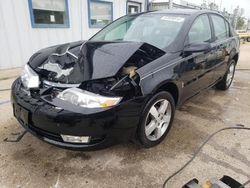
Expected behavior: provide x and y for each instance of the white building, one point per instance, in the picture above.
(29, 25)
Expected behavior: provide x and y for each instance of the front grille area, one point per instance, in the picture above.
(46, 134)
(57, 137)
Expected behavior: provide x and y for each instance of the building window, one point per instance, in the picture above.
(49, 13)
(100, 13)
(133, 7)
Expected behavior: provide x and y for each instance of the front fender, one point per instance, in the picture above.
(158, 73)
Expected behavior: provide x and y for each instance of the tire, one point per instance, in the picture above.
(248, 39)
(225, 83)
(159, 102)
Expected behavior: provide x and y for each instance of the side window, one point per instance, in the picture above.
(219, 27)
(200, 30)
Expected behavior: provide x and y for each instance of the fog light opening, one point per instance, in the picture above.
(75, 139)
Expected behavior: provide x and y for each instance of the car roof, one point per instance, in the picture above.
(183, 11)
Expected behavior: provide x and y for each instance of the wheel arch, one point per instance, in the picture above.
(236, 57)
(170, 87)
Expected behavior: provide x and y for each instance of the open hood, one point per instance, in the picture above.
(77, 62)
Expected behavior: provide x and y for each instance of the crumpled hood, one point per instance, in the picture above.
(82, 61)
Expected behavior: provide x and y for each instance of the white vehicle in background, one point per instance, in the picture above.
(244, 35)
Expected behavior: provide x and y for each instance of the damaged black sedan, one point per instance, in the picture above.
(125, 83)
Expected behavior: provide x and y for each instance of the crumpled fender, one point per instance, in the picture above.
(159, 71)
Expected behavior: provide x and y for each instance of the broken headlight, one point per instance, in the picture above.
(87, 99)
(29, 78)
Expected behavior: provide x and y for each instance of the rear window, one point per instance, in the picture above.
(219, 27)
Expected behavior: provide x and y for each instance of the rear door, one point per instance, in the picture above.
(221, 43)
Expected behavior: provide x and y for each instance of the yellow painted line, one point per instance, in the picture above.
(244, 42)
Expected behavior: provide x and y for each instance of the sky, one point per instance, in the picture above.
(228, 4)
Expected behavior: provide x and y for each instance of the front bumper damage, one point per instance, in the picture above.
(104, 68)
(48, 119)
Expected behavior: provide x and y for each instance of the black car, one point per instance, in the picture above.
(125, 83)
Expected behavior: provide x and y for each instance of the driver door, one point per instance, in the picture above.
(199, 64)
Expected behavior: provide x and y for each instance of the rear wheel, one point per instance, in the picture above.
(248, 39)
(156, 119)
(227, 80)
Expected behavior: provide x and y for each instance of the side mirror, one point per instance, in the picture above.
(199, 47)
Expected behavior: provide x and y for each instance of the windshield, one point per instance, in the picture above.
(156, 29)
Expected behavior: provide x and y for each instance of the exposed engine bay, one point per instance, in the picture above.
(105, 68)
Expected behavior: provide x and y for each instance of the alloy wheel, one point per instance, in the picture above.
(230, 74)
(158, 119)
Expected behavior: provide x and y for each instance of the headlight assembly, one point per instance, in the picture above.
(87, 99)
(29, 78)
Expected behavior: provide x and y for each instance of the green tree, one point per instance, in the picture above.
(213, 6)
(240, 23)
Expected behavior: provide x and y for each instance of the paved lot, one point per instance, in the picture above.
(33, 163)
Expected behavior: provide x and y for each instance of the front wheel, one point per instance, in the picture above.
(156, 119)
(227, 80)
